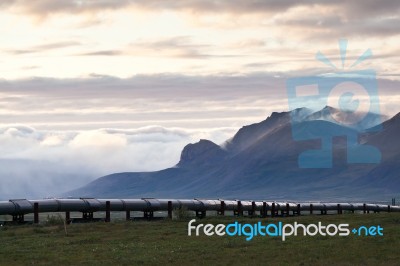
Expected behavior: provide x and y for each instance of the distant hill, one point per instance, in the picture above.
(261, 162)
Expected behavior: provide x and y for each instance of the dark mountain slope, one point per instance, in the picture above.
(261, 161)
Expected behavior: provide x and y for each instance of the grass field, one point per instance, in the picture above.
(166, 242)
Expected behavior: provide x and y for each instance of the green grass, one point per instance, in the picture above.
(166, 242)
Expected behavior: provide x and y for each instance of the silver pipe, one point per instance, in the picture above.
(23, 206)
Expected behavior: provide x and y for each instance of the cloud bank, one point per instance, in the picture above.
(36, 163)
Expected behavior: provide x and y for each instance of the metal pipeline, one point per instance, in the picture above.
(23, 206)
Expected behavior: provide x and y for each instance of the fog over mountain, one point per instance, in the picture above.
(261, 162)
(37, 163)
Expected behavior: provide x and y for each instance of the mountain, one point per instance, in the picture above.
(356, 120)
(204, 152)
(261, 162)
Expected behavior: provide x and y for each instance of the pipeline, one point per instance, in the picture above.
(19, 207)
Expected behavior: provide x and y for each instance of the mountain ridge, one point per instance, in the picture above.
(261, 160)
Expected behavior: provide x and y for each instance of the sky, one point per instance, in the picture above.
(89, 88)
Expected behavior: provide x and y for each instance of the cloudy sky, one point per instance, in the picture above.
(89, 88)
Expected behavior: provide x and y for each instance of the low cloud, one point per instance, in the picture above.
(37, 163)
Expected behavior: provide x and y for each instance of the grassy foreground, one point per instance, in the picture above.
(167, 242)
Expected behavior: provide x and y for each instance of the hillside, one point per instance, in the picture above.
(261, 161)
